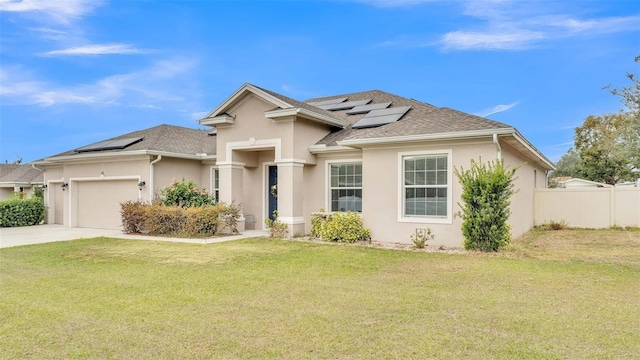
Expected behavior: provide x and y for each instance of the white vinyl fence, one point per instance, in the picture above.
(588, 207)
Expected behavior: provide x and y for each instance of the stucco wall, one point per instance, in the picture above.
(382, 191)
(528, 177)
(168, 169)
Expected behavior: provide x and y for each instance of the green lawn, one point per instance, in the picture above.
(567, 294)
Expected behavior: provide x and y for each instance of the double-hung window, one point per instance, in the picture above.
(426, 186)
(215, 180)
(345, 186)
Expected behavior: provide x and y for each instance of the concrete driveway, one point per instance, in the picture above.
(40, 234)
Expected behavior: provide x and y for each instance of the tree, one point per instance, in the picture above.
(609, 145)
(605, 155)
(568, 165)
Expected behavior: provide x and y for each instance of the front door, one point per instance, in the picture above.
(272, 191)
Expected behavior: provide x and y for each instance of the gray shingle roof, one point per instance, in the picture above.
(164, 138)
(422, 119)
(11, 173)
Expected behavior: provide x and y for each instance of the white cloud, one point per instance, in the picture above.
(511, 40)
(164, 82)
(508, 25)
(95, 49)
(59, 11)
(496, 109)
(513, 25)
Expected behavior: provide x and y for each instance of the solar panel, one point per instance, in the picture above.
(361, 109)
(328, 102)
(344, 105)
(109, 144)
(381, 117)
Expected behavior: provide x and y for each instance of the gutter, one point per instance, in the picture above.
(498, 147)
(151, 177)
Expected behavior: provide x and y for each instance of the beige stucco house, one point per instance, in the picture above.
(21, 179)
(388, 157)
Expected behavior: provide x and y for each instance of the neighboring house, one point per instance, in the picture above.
(19, 179)
(388, 157)
(578, 183)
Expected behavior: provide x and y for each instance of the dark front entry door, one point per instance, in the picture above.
(273, 183)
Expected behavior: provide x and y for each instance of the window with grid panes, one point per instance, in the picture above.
(425, 185)
(345, 186)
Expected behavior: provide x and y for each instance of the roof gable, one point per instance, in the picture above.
(284, 106)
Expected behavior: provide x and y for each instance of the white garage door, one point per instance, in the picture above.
(99, 202)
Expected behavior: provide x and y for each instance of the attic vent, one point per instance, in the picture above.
(381, 117)
(109, 145)
(344, 105)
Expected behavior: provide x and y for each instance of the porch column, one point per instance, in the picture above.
(291, 195)
(230, 183)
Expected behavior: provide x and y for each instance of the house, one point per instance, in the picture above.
(388, 157)
(19, 179)
(569, 182)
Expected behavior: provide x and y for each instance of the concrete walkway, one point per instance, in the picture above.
(40, 234)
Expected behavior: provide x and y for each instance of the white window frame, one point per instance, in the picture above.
(214, 189)
(328, 180)
(426, 219)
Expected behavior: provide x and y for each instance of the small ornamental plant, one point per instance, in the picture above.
(420, 238)
(277, 228)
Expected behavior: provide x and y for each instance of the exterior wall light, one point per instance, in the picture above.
(64, 186)
(141, 185)
(43, 187)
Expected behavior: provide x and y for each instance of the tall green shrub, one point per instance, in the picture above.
(186, 194)
(486, 193)
(21, 212)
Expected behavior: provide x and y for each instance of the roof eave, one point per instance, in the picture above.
(273, 114)
(85, 156)
(426, 137)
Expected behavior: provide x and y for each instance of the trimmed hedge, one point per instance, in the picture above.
(339, 227)
(159, 219)
(21, 212)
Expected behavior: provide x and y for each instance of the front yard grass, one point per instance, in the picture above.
(570, 294)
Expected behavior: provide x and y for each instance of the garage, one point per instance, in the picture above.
(98, 202)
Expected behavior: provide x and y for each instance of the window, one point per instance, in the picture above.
(426, 186)
(216, 184)
(345, 186)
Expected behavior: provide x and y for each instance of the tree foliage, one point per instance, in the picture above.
(186, 194)
(608, 146)
(486, 194)
(568, 165)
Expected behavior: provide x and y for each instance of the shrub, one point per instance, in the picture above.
(421, 237)
(339, 227)
(276, 227)
(486, 192)
(21, 212)
(160, 219)
(185, 194)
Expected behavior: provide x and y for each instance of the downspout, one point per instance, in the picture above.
(151, 177)
(498, 148)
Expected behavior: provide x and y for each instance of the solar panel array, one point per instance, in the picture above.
(328, 102)
(377, 114)
(381, 117)
(362, 109)
(109, 145)
(344, 105)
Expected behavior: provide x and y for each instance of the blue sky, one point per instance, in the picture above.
(79, 71)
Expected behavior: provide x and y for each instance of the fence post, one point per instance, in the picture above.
(612, 216)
